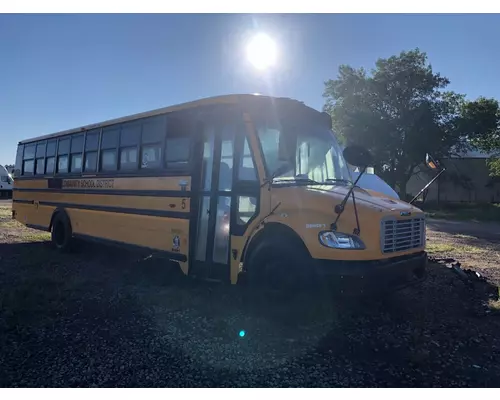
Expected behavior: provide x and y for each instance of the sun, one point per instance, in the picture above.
(262, 51)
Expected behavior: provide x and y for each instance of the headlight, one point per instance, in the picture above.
(338, 240)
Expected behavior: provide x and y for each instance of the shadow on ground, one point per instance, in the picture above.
(105, 317)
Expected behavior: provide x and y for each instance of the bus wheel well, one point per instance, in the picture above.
(271, 232)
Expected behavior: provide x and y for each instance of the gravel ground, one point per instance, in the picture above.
(474, 244)
(104, 317)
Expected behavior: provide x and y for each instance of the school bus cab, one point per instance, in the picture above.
(227, 187)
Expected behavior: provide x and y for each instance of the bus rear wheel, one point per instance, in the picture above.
(61, 234)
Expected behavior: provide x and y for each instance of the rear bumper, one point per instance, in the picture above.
(372, 277)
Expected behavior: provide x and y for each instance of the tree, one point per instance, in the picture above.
(482, 120)
(9, 168)
(400, 112)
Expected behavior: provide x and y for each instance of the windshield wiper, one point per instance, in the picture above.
(281, 170)
(305, 181)
(339, 180)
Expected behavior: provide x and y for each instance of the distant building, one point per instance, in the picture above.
(466, 179)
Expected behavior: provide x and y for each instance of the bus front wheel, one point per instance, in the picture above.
(61, 234)
(276, 265)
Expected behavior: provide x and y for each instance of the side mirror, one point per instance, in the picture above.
(358, 156)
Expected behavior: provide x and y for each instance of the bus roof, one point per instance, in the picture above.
(223, 99)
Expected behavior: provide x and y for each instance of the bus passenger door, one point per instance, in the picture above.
(246, 201)
(211, 244)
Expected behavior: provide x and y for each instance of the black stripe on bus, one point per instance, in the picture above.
(120, 210)
(23, 201)
(184, 172)
(149, 193)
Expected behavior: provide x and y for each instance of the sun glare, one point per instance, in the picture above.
(261, 51)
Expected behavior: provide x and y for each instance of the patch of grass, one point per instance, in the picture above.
(5, 211)
(494, 305)
(464, 212)
(460, 236)
(26, 234)
(6, 220)
(439, 248)
(37, 236)
(455, 248)
(467, 249)
(4, 223)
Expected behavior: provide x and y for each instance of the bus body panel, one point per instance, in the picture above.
(102, 212)
(139, 230)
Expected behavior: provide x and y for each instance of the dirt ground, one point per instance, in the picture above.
(105, 317)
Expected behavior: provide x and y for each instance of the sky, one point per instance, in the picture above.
(60, 72)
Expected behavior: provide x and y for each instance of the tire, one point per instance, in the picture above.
(61, 234)
(275, 265)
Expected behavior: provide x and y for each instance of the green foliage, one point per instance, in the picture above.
(494, 166)
(401, 111)
(483, 121)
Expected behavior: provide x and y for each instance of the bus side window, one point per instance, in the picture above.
(153, 133)
(62, 156)
(178, 151)
(40, 158)
(178, 142)
(29, 159)
(91, 146)
(109, 143)
(50, 157)
(19, 160)
(129, 142)
(76, 156)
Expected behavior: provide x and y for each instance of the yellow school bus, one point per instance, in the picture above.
(227, 187)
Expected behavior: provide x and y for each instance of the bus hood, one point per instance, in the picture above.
(328, 196)
(364, 198)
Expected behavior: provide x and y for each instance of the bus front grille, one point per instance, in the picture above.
(400, 235)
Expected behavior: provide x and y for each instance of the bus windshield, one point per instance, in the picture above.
(318, 156)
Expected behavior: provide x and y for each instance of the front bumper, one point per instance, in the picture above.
(372, 277)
